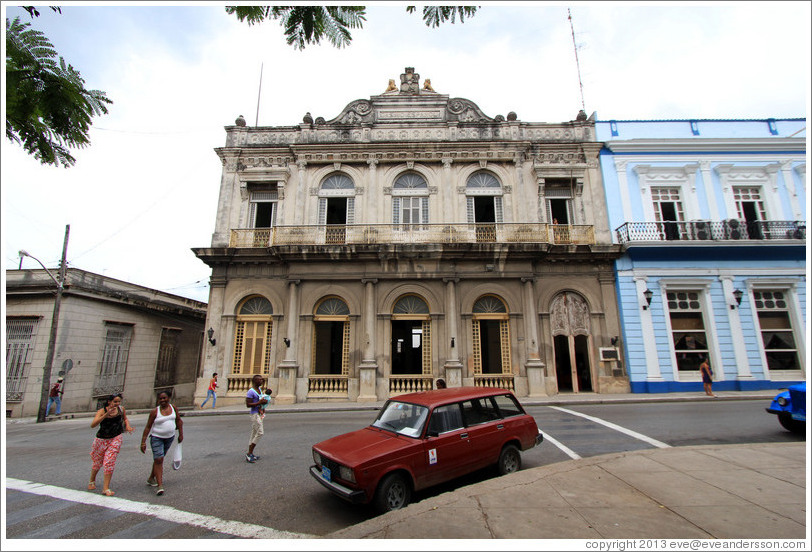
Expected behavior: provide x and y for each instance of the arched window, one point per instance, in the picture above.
(336, 206)
(252, 338)
(491, 339)
(484, 204)
(410, 200)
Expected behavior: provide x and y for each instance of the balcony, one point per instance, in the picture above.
(732, 229)
(352, 234)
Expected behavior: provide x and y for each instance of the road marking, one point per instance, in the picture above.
(167, 513)
(568, 451)
(649, 440)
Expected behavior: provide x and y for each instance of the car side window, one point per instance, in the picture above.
(445, 418)
(508, 406)
(479, 411)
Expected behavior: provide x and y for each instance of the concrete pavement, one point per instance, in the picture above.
(751, 491)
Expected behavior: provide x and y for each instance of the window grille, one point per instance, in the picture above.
(687, 329)
(166, 369)
(20, 333)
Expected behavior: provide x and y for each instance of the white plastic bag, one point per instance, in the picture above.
(178, 456)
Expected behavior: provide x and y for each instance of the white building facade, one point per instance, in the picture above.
(409, 238)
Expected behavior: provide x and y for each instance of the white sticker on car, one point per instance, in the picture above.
(433, 456)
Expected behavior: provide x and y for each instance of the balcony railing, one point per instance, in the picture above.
(327, 386)
(504, 381)
(409, 384)
(732, 229)
(413, 233)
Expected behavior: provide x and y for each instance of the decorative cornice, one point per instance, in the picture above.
(707, 145)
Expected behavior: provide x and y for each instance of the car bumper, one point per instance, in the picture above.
(539, 438)
(350, 495)
(774, 411)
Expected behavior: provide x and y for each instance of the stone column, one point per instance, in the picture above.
(453, 366)
(368, 369)
(372, 195)
(534, 367)
(289, 368)
(214, 355)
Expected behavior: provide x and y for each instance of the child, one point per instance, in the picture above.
(266, 395)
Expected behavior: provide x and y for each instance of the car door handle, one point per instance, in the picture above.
(500, 426)
(463, 435)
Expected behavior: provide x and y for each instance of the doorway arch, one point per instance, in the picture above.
(491, 343)
(411, 367)
(331, 347)
(569, 317)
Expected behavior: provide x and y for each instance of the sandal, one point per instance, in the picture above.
(91, 486)
(108, 492)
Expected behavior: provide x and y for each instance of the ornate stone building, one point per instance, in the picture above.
(412, 237)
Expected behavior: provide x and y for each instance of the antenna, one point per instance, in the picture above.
(259, 93)
(577, 65)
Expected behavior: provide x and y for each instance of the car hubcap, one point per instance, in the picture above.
(510, 463)
(396, 494)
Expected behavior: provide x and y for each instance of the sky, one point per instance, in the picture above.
(144, 193)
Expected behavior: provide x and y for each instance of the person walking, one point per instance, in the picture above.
(160, 428)
(112, 421)
(707, 377)
(55, 397)
(254, 401)
(211, 393)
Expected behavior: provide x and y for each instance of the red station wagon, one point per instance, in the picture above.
(423, 439)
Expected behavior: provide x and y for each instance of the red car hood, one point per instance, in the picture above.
(364, 445)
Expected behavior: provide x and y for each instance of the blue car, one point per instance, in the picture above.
(790, 407)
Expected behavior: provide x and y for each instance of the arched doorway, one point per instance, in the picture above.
(252, 343)
(411, 346)
(331, 347)
(336, 207)
(569, 317)
(491, 343)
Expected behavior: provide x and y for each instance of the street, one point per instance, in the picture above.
(277, 492)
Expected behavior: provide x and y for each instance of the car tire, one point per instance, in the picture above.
(795, 426)
(510, 460)
(393, 493)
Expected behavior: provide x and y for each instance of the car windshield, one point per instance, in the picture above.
(402, 418)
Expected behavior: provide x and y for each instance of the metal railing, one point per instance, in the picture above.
(701, 230)
(413, 233)
(15, 388)
(409, 384)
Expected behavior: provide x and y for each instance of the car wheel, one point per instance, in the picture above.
(795, 426)
(510, 460)
(393, 493)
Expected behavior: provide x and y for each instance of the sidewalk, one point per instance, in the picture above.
(718, 491)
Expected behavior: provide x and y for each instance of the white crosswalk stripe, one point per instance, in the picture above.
(167, 513)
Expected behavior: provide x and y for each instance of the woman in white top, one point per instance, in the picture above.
(160, 428)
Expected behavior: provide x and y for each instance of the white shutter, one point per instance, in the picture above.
(395, 210)
(497, 208)
(470, 210)
(322, 211)
(350, 210)
(424, 208)
(252, 214)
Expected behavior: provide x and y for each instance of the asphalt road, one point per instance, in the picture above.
(278, 492)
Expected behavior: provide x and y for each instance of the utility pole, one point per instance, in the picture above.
(49, 357)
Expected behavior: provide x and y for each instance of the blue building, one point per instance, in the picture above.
(711, 217)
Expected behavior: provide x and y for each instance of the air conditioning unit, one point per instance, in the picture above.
(702, 230)
(734, 230)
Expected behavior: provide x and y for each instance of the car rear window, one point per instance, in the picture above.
(508, 406)
(479, 411)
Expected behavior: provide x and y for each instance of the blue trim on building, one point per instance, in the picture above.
(706, 152)
(696, 386)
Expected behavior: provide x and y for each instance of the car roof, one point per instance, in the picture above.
(438, 397)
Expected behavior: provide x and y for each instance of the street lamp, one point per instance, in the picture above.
(49, 356)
